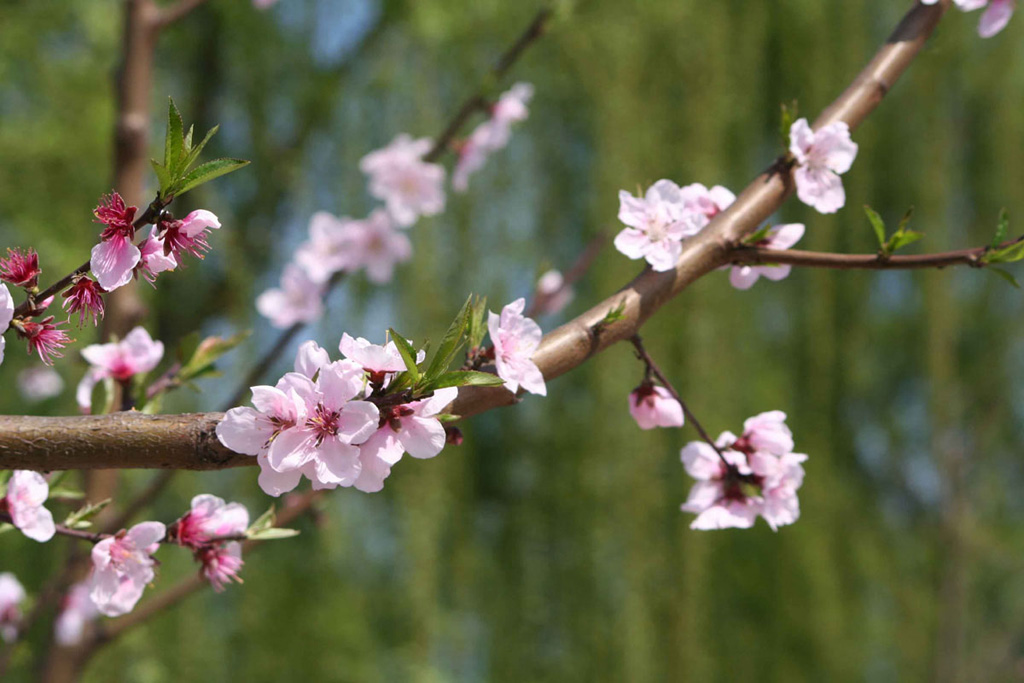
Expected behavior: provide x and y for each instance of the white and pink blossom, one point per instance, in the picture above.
(115, 257)
(136, 354)
(77, 611)
(821, 157)
(251, 430)
(39, 383)
(331, 248)
(657, 224)
(122, 567)
(26, 493)
(299, 299)
(188, 235)
(6, 316)
(493, 134)
(516, 338)
(210, 518)
(995, 18)
(154, 259)
(707, 203)
(778, 237)
(310, 358)
(12, 594)
(653, 406)
(409, 186)
(552, 293)
(377, 246)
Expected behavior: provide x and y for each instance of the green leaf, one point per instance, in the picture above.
(163, 176)
(174, 141)
(447, 417)
(1006, 275)
(476, 326)
(905, 221)
(787, 118)
(407, 353)
(1002, 228)
(79, 519)
(207, 353)
(900, 239)
(451, 342)
(400, 382)
(263, 522)
(204, 173)
(878, 224)
(194, 152)
(1008, 254)
(70, 494)
(761, 234)
(465, 378)
(271, 534)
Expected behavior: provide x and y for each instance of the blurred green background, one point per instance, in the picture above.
(550, 546)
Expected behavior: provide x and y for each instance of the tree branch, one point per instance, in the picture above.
(188, 441)
(815, 259)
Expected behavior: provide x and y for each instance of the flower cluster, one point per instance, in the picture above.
(754, 474)
(122, 567)
(493, 134)
(995, 18)
(212, 529)
(11, 596)
(821, 157)
(658, 222)
(26, 493)
(136, 354)
(319, 421)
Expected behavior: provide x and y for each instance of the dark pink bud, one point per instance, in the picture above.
(117, 216)
(84, 297)
(20, 268)
(44, 338)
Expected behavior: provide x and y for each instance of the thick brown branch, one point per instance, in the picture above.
(189, 443)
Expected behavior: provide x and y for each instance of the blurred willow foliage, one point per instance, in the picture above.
(550, 546)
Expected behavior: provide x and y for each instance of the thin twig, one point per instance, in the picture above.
(570, 277)
(61, 530)
(652, 367)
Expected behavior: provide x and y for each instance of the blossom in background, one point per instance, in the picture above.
(995, 18)
(136, 354)
(188, 235)
(516, 338)
(20, 268)
(411, 428)
(26, 493)
(331, 246)
(408, 186)
(756, 474)
(209, 518)
(77, 610)
(11, 596)
(653, 406)
(657, 224)
(704, 202)
(115, 257)
(493, 134)
(821, 157)
(44, 338)
(39, 383)
(552, 294)
(154, 260)
(6, 316)
(378, 246)
(779, 237)
(298, 300)
(263, 4)
(85, 298)
(122, 567)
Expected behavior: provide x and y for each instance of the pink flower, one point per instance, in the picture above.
(781, 505)
(26, 493)
(516, 339)
(11, 596)
(411, 428)
(6, 316)
(136, 354)
(154, 259)
(995, 18)
(722, 497)
(409, 186)
(377, 247)
(39, 383)
(821, 157)
(76, 612)
(298, 300)
(20, 268)
(85, 298)
(779, 237)
(652, 406)
(220, 564)
(552, 293)
(310, 359)
(493, 134)
(375, 359)
(122, 567)
(657, 224)
(210, 518)
(44, 338)
(331, 248)
(707, 203)
(324, 446)
(188, 236)
(766, 432)
(114, 258)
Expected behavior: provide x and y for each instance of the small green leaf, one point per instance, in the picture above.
(465, 378)
(79, 519)
(206, 353)
(1006, 275)
(263, 522)
(193, 153)
(878, 224)
(756, 237)
(787, 118)
(900, 239)
(451, 342)
(447, 417)
(905, 221)
(1002, 228)
(163, 176)
(174, 141)
(476, 326)
(271, 534)
(70, 494)
(407, 353)
(204, 173)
